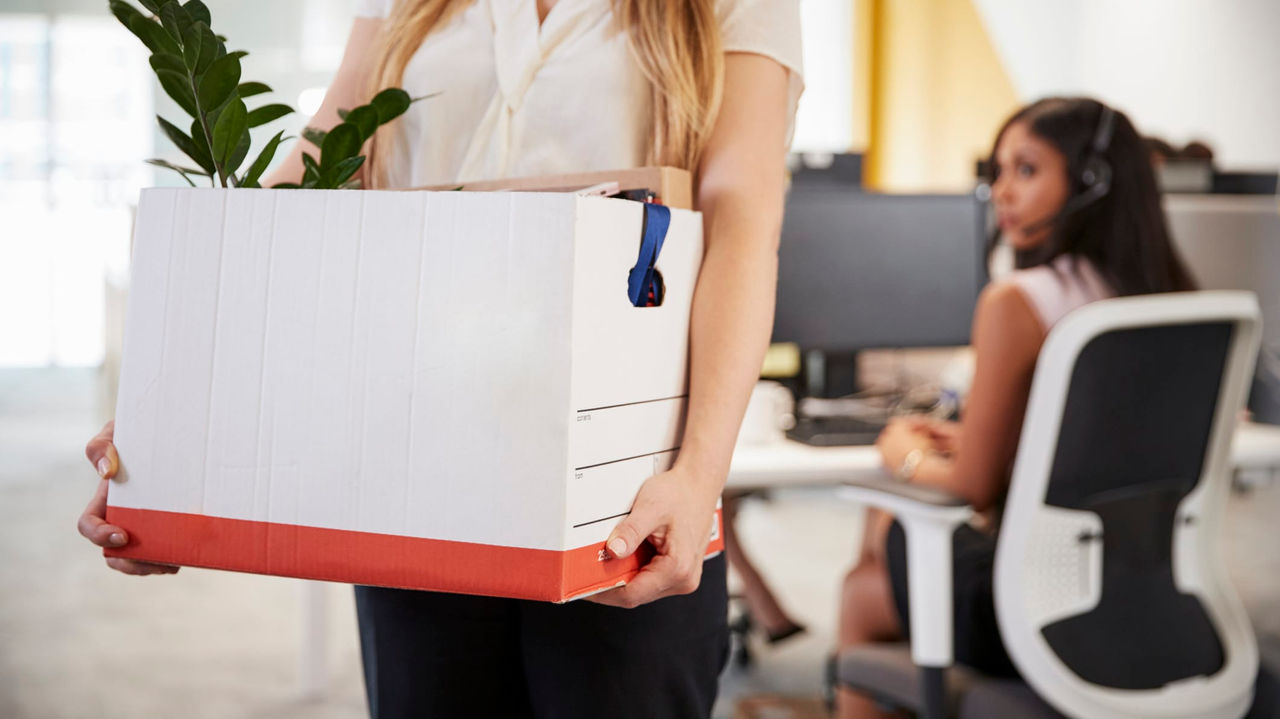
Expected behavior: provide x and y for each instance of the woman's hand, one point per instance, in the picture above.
(673, 512)
(899, 437)
(943, 436)
(93, 524)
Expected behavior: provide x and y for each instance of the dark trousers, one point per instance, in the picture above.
(429, 654)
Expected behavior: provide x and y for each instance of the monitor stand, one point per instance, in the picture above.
(829, 375)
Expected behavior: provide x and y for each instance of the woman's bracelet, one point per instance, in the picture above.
(910, 464)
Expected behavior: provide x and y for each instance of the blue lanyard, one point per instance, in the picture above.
(644, 284)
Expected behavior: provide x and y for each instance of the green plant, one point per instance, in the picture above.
(194, 68)
(340, 146)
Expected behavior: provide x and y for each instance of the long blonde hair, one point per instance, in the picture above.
(676, 43)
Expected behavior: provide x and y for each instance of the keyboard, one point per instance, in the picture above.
(835, 431)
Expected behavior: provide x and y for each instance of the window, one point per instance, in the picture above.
(75, 125)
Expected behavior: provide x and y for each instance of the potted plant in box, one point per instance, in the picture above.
(195, 69)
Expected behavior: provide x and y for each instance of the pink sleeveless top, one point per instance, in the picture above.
(1061, 286)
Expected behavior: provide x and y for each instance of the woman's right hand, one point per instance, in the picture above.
(945, 436)
(93, 523)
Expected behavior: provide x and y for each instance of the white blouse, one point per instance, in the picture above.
(518, 99)
(1057, 288)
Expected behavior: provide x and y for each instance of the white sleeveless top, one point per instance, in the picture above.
(519, 99)
(1054, 289)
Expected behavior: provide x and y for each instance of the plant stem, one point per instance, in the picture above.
(204, 126)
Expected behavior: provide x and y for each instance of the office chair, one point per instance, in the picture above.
(1110, 593)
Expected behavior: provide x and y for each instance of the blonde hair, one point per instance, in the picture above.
(675, 42)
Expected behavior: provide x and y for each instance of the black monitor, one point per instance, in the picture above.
(863, 270)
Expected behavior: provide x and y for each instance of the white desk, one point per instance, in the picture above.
(1255, 451)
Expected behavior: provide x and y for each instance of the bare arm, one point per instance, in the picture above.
(1006, 339)
(740, 195)
(348, 90)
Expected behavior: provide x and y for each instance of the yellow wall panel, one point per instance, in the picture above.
(937, 94)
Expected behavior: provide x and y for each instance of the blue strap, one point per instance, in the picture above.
(640, 280)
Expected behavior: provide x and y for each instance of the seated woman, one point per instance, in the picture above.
(1076, 199)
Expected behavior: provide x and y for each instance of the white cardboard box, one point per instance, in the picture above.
(432, 390)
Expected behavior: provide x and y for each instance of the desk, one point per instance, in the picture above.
(1255, 452)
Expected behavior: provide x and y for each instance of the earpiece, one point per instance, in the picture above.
(1095, 173)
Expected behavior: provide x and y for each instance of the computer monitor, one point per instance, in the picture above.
(862, 270)
(1233, 243)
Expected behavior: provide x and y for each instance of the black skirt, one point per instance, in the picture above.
(976, 635)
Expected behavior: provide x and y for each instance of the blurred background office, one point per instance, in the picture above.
(902, 100)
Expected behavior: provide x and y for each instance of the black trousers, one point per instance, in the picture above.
(429, 654)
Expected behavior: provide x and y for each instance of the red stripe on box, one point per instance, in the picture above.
(338, 555)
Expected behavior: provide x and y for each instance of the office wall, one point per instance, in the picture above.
(938, 93)
(828, 119)
(1182, 69)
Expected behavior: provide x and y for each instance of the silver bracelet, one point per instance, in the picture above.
(909, 465)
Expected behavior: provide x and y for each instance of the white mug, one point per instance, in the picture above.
(770, 412)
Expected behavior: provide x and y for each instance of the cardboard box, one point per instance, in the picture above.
(431, 390)
(673, 186)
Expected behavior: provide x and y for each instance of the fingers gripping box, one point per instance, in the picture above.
(431, 390)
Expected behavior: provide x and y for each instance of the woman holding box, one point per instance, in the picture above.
(544, 87)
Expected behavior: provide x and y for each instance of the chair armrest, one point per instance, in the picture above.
(929, 516)
(905, 500)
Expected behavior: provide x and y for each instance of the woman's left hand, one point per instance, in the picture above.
(898, 438)
(673, 511)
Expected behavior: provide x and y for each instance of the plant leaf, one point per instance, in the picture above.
(240, 152)
(127, 15)
(146, 30)
(177, 86)
(259, 166)
(343, 171)
(187, 145)
(198, 11)
(285, 186)
(390, 104)
(342, 114)
(172, 63)
(365, 118)
(191, 47)
(343, 141)
(154, 36)
(175, 20)
(219, 83)
(209, 47)
(202, 144)
(232, 124)
(267, 113)
(186, 172)
(314, 136)
(154, 5)
(312, 172)
(249, 89)
(352, 185)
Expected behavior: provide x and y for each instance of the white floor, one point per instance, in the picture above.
(77, 640)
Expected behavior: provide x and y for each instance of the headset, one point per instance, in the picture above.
(1095, 173)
